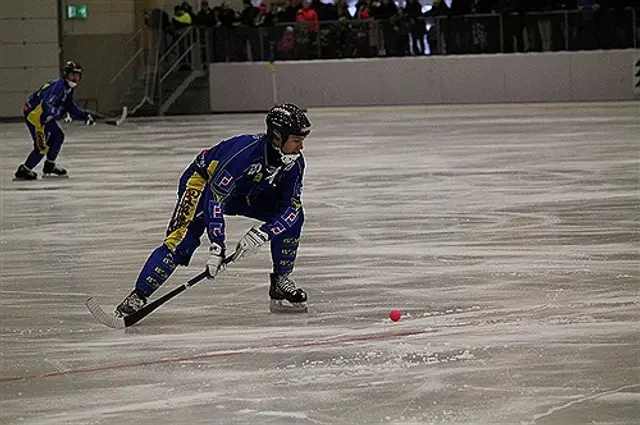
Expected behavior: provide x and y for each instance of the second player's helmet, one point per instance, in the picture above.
(285, 120)
(72, 66)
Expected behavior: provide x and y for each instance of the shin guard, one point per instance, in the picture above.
(159, 266)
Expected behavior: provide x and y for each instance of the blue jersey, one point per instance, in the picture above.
(50, 102)
(243, 166)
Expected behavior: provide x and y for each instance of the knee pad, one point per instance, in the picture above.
(295, 219)
(185, 249)
(183, 256)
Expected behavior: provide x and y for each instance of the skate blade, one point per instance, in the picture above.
(53, 176)
(281, 306)
(20, 179)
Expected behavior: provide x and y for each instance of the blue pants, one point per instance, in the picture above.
(163, 260)
(47, 139)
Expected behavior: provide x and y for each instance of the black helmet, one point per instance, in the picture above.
(72, 66)
(285, 120)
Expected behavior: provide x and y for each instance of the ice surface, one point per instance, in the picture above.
(508, 236)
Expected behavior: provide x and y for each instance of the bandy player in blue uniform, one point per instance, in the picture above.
(50, 103)
(257, 176)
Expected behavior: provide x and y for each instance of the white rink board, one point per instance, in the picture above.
(507, 235)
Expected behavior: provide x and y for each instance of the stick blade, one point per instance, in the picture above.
(117, 121)
(102, 317)
(122, 116)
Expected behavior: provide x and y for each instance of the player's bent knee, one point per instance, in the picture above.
(182, 256)
(184, 251)
(296, 227)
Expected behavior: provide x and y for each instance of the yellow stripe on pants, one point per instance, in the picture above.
(34, 118)
(185, 212)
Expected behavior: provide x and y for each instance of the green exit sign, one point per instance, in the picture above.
(77, 11)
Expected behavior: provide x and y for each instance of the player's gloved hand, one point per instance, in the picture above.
(214, 263)
(66, 117)
(251, 242)
(89, 120)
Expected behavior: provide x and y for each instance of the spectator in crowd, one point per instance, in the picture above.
(287, 44)
(248, 14)
(337, 36)
(181, 19)
(307, 14)
(385, 11)
(381, 27)
(437, 27)
(206, 16)
(320, 9)
(586, 28)
(248, 36)
(558, 24)
(289, 13)
(266, 17)
(401, 31)
(227, 44)
(532, 24)
(309, 29)
(485, 31)
(226, 15)
(206, 20)
(417, 28)
(186, 6)
(512, 24)
(363, 4)
(342, 10)
(160, 23)
(616, 22)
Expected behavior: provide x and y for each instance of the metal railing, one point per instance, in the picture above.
(138, 66)
(138, 39)
(154, 64)
(184, 55)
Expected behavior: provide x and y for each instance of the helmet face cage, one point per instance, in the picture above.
(70, 67)
(285, 120)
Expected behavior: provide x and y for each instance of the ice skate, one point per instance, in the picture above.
(285, 296)
(51, 170)
(23, 173)
(131, 303)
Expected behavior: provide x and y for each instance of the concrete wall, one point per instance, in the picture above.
(100, 45)
(101, 57)
(28, 50)
(532, 77)
(105, 17)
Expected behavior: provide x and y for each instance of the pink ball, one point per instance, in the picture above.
(395, 315)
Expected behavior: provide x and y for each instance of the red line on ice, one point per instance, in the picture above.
(375, 337)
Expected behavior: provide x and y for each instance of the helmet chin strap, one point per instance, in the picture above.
(288, 158)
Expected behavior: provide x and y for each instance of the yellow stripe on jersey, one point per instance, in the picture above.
(211, 168)
(197, 182)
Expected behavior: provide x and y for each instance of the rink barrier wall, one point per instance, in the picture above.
(504, 78)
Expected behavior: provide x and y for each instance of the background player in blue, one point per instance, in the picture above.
(50, 103)
(257, 176)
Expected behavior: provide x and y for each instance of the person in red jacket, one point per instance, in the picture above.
(309, 15)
